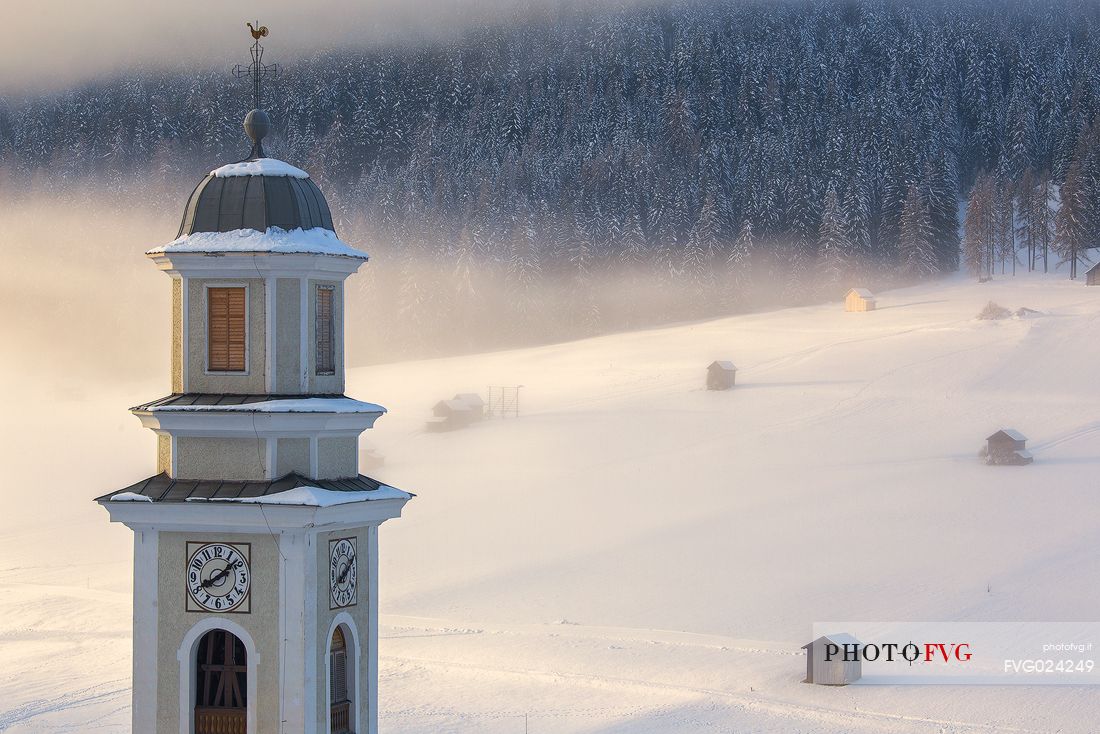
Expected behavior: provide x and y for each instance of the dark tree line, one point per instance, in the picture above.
(1029, 219)
(594, 171)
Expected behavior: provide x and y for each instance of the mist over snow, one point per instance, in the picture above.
(594, 201)
(635, 553)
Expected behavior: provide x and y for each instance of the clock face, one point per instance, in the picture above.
(342, 570)
(218, 577)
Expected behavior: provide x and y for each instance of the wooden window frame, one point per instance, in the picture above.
(247, 327)
(318, 289)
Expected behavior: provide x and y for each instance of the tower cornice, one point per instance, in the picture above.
(241, 423)
(237, 517)
(253, 264)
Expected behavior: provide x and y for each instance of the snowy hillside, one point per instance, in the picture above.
(636, 554)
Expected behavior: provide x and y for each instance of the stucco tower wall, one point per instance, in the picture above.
(177, 334)
(360, 615)
(337, 457)
(174, 622)
(231, 459)
(288, 330)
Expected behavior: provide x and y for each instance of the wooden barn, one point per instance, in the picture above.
(1007, 447)
(721, 375)
(834, 672)
(859, 299)
(1092, 277)
(472, 399)
(449, 415)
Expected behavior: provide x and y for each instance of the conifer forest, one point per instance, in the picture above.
(590, 170)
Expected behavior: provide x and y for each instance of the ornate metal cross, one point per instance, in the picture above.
(258, 70)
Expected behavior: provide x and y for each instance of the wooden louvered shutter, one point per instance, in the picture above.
(225, 332)
(326, 326)
(339, 676)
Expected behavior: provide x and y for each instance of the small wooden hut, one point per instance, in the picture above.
(721, 375)
(1092, 277)
(841, 669)
(1007, 447)
(859, 299)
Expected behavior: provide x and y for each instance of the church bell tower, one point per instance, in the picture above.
(256, 543)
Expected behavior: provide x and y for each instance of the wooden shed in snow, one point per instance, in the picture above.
(841, 669)
(859, 299)
(1092, 277)
(721, 375)
(449, 415)
(472, 399)
(1007, 447)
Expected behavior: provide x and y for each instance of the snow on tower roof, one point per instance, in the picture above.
(862, 292)
(315, 241)
(259, 167)
(313, 497)
(260, 404)
(292, 489)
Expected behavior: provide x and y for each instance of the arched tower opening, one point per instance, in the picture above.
(221, 684)
(341, 690)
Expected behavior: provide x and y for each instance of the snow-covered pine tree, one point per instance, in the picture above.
(739, 266)
(1004, 233)
(941, 191)
(1025, 215)
(916, 251)
(834, 249)
(464, 297)
(978, 229)
(635, 262)
(855, 213)
(1045, 203)
(583, 305)
(523, 271)
(411, 303)
(701, 256)
(632, 247)
(1071, 222)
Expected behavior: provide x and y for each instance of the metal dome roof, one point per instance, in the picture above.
(223, 204)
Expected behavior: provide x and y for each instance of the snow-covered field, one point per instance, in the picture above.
(636, 554)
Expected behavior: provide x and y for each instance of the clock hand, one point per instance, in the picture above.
(215, 578)
(344, 575)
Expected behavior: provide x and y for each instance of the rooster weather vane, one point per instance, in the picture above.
(258, 70)
(257, 124)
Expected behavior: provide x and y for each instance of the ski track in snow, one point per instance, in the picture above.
(115, 692)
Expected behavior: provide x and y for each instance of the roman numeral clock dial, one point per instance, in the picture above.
(342, 572)
(218, 577)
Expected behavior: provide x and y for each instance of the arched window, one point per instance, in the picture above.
(221, 684)
(339, 687)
